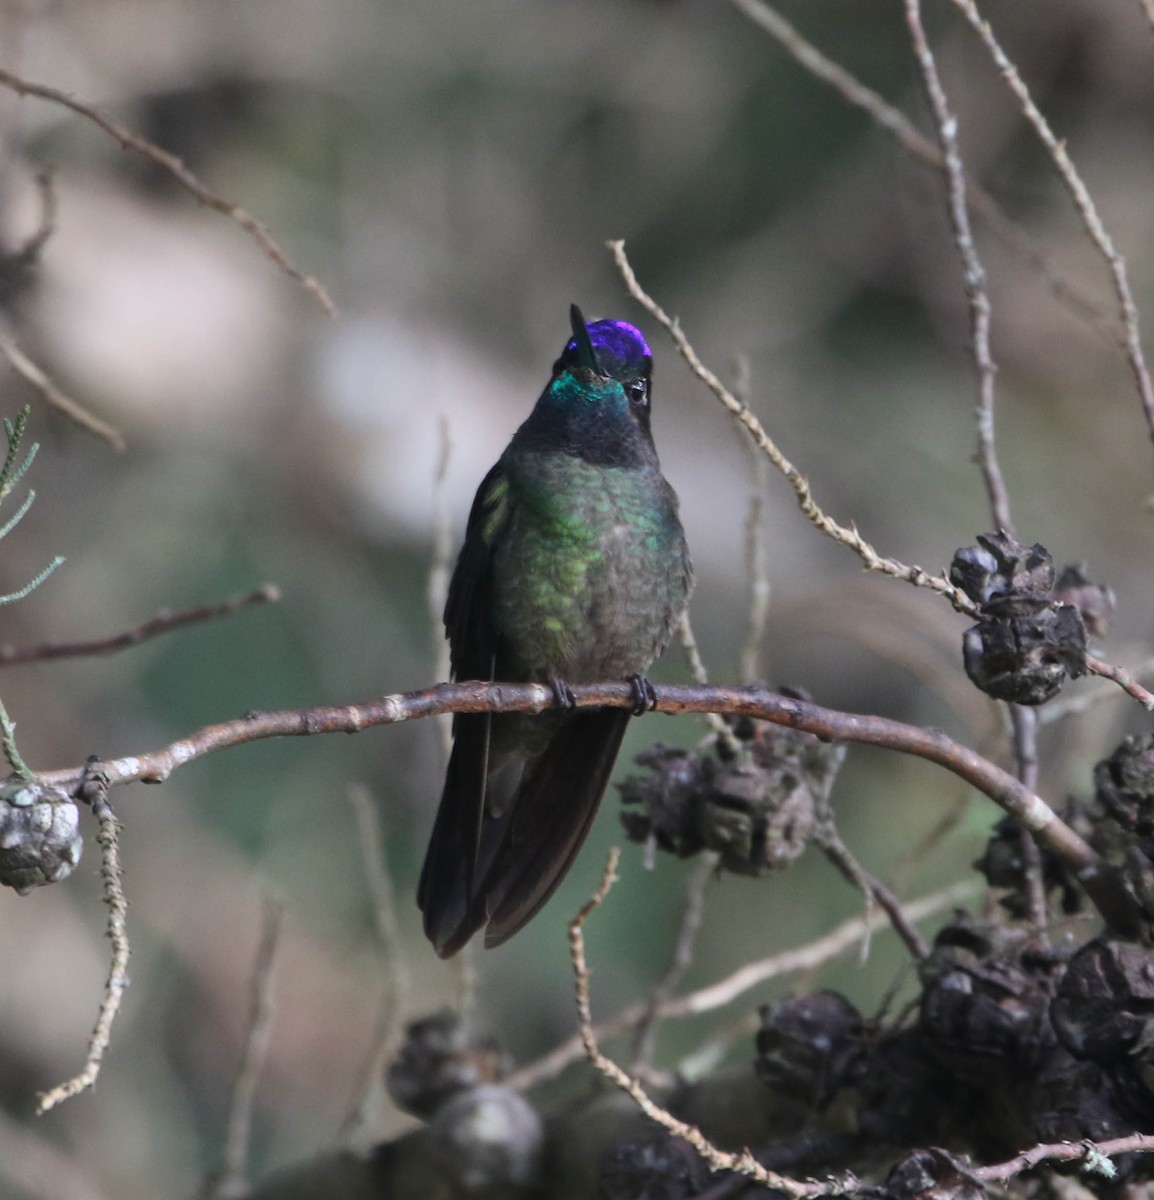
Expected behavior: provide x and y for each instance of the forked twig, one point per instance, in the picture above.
(717, 995)
(257, 230)
(718, 1160)
(1083, 202)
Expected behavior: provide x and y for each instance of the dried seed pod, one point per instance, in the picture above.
(1025, 658)
(1000, 569)
(40, 838)
(651, 1166)
(489, 1140)
(1001, 863)
(755, 808)
(437, 1060)
(933, 1175)
(668, 798)
(984, 1010)
(1094, 601)
(810, 1046)
(1104, 1007)
(1027, 640)
(1125, 785)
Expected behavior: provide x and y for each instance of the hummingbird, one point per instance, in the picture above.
(574, 569)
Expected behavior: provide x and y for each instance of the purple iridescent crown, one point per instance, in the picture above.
(619, 346)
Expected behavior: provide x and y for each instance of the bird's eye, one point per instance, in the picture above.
(639, 392)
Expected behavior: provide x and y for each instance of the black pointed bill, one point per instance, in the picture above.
(586, 354)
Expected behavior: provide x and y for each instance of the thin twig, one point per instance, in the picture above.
(59, 400)
(874, 891)
(1123, 679)
(645, 1032)
(751, 662)
(1083, 201)
(397, 983)
(973, 272)
(718, 1160)
(8, 745)
(1025, 724)
(128, 140)
(894, 122)
(1102, 881)
(94, 790)
(163, 622)
(1087, 698)
(848, 536)
(700, 673)
(717, 995)
(232, 1180)
(1092, 1152)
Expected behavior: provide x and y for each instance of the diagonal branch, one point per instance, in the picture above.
(847, 535)
(163, 622)
(257, 230)
(59, 400)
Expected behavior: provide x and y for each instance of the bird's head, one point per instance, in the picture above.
(609, 351)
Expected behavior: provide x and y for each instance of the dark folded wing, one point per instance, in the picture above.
(553, 811)
(455, 851)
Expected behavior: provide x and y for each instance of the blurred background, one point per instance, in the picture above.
(451, 171)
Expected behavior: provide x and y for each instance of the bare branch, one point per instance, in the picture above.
(163, 622)
(257, 230)
(840, 533)
(1084, 203)
(72, 409)
(1102, 881)
(93, 789)
(973, 272)
(1123, 679)
(1135, 1143)
(1089, 698)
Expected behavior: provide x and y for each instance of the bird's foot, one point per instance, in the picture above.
(563, 694)
(644, 695)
